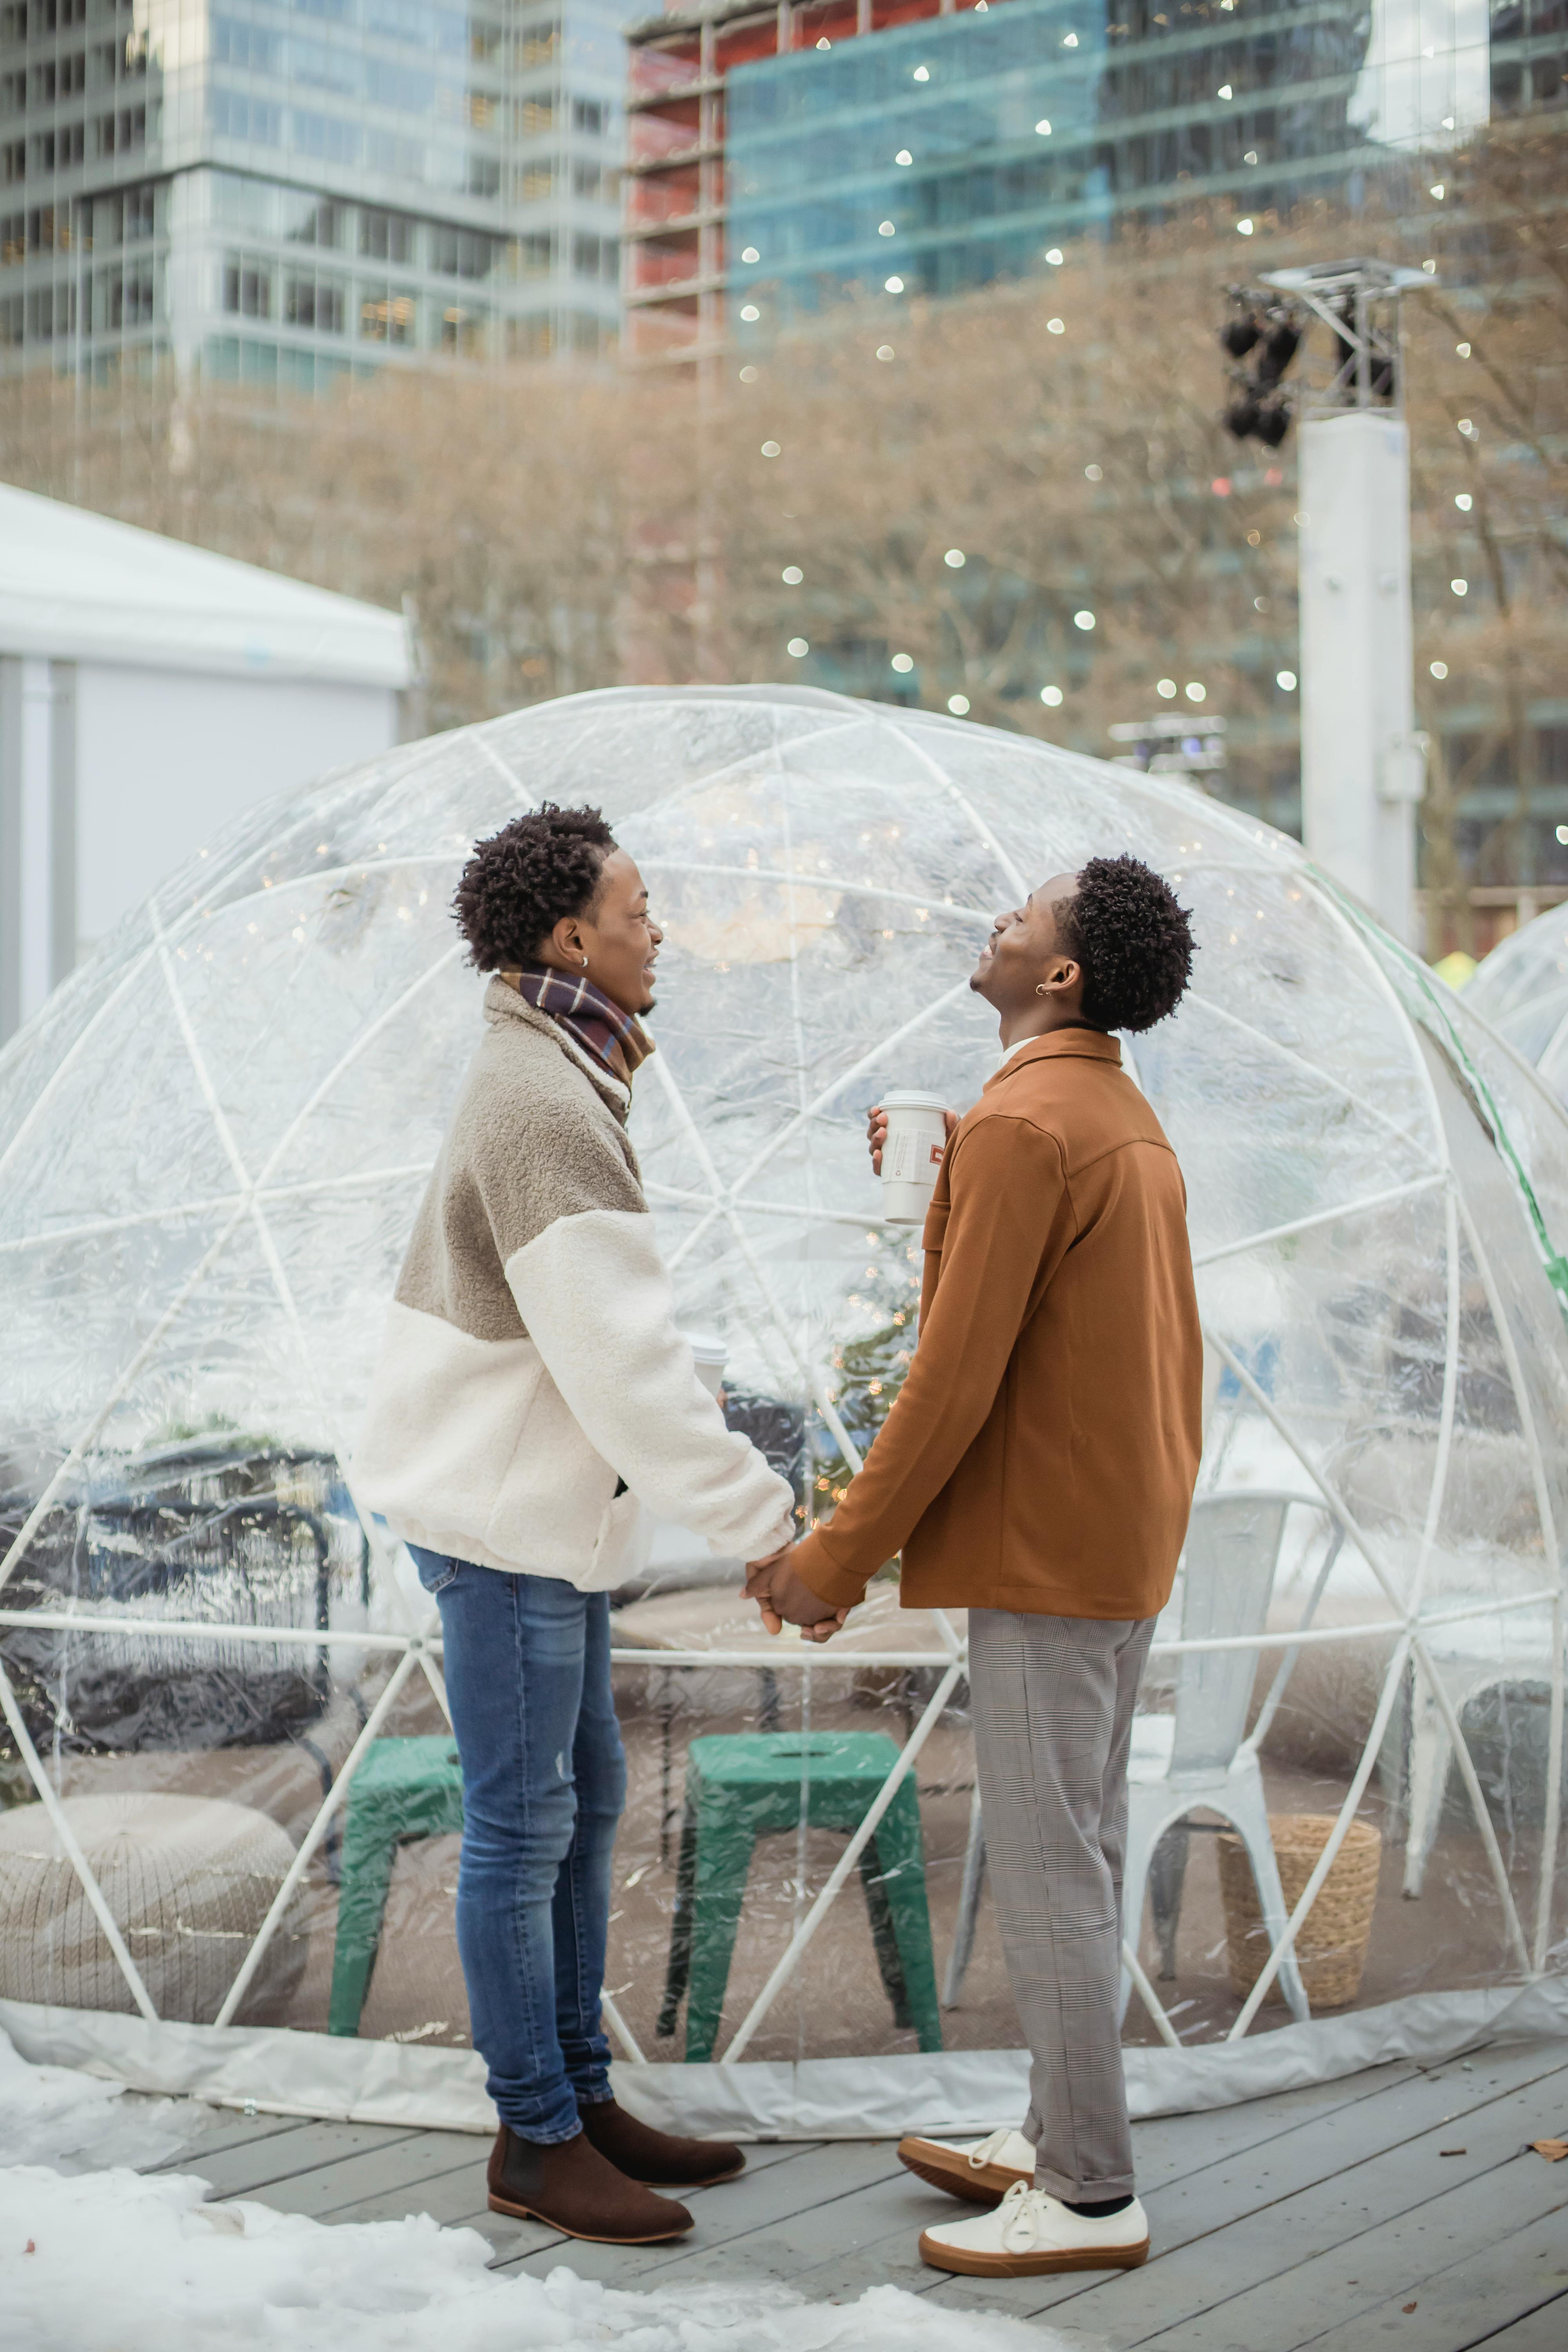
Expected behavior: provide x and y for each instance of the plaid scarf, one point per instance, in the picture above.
(616, 1039)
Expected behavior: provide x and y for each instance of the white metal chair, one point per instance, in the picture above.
(1509, 1651)
(1197, 1756)
(1194, 1756)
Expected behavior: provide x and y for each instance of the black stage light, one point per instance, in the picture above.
(1273, 424)
(1242, 416)
(1238, 336)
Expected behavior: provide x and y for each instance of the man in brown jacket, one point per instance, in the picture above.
(1038, 1469)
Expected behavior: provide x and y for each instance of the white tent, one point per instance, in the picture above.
(1522, 989)
(211, 1146)
(148, 692)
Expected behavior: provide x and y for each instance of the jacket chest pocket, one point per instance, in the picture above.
(934, 1232)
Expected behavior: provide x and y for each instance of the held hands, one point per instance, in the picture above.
(785, 1597)
(877, 1133)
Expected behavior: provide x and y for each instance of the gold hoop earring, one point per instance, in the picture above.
(1040, 988)
(584, 963)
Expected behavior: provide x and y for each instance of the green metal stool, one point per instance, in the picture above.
(738, 1789)
(404, 1788)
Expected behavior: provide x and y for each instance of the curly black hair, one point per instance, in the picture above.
(517, 885)
(1133, 940)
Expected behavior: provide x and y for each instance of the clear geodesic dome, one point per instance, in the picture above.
(1522, 990)
(212, 1143)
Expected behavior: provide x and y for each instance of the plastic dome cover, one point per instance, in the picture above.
(1522, 989)
(212, 1142)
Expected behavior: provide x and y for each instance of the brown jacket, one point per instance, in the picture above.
(1041, 1453)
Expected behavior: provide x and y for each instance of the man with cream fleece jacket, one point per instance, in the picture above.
(533, 1400)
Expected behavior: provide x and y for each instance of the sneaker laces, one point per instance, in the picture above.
(1022, 2212)
(988, 2150)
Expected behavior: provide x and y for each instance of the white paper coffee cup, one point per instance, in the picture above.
(710, 1355)
(917, 1137)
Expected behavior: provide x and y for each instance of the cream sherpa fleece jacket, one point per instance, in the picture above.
(530, 1360)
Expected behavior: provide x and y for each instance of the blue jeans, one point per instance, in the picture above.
(544, 1782)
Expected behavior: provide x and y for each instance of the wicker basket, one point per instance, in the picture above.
(1332, 1945)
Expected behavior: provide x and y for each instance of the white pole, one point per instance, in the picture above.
(1363, 771)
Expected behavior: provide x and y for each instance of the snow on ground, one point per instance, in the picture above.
(53, 2115)
(110, 2261)
(101, 2260)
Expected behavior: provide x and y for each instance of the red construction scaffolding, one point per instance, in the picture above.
(675, 175)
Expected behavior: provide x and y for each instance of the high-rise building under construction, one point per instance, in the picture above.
(781, 155)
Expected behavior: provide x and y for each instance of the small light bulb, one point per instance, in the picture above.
(1166, 686)
(1440, 669)
(959, 705)
(954, 558)
(1286, 680)
(797, 646)
(751, 253)
(1083, 620)
(1051, 696)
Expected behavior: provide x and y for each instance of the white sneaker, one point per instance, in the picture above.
(1031, 2231)
(981, 2172)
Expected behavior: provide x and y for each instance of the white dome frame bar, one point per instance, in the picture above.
(422, 1649)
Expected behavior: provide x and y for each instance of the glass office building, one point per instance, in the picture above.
(950, 152)
(285, 191)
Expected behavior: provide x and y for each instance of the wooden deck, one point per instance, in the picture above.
(1400, 2205)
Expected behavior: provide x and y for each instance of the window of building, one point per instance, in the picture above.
(537, 44)
(385, 236)
(387, 314)
(590, 115)
(537, 181)
(485, 40)
(239, 358)
(325, 136)
(13, 23)
(483, 176)
(530, 339)
(321, 303)
(13, 238)
(51, 312)
(536, 115)
(12, 161)
(530, 256)
(72, 76)
(56, 150)
(599, 186)
(13, 311)
(13, 93)
(234, 117)
(247, 286)
(465, 330)
(319, 225)
(117, 133)
(462, 253)
(125, 298)
(139, 218)
(235, 43)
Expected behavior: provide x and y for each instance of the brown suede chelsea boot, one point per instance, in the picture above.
(571, 2187)
(655, 2157)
